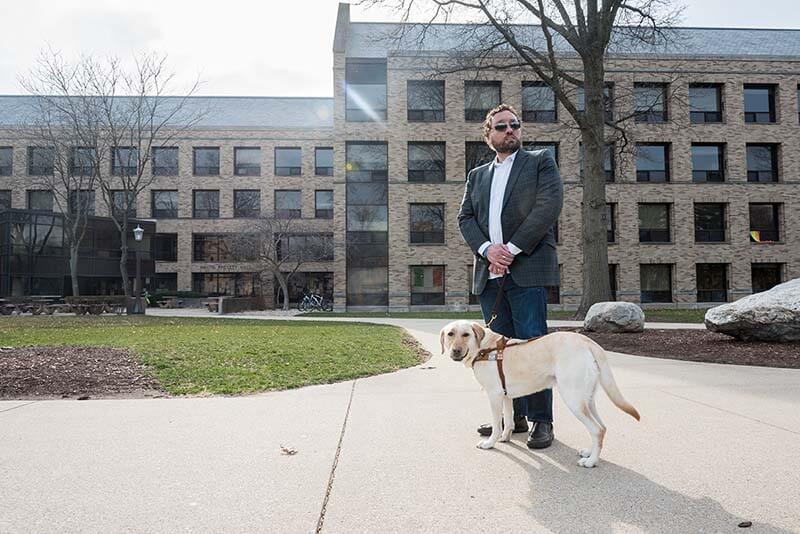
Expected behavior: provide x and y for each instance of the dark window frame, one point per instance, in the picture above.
(131, 210)
(650, 176)
(777, 268)
(476, 114)
(246, 169)
(124, 170)
(425, 115)
(210, 213)
(423, 237)
(30, 192)
(427, 175)
(246, 212)
(710, 235)
(8, 169)
(761, 176)
(205, 170)
(655, 235)
(40, 170)
(352, 78)
(710, 176)
(647, 296)
(772, 234)
(163, 214)
(427, 298)
(650, 115)
(760, 117)
(288, 170)
(540, 115)
(711, 294)
(322, 213)
(288, 213)
(705, 116)
(165, 170)
(322, 170)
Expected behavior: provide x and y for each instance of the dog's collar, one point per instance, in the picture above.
(499, 349)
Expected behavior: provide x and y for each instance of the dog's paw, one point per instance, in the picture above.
(485, 444)
(585, 453)
(505, 436)
(587, 462)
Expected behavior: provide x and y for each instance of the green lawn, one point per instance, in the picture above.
(228, 356)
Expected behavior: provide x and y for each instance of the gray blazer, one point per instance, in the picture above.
(531, 204)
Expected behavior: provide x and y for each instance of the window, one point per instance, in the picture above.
(765, 276)
(125, 161)
(122, 201)
(247, 161)
(611, 222)
(367, 162)
(6, 157)
(365, 90)
(705, 103)
(164, 247)
(608, 99)
(287, 204)
(40, 200)
(165, 161)
(5, 199)
(323, 204)
(165, 204)
(427, 285)
(82, 161)
(764, 223)
(709, 223)
(86, 200)
(205, 204)
(708, 163)
(40, 160)
(479, 98)
(288, 161)
(307, 247)
(652, 162)
(538, 102)
(654, 223)
(425, 100)
(650, 102)
(762, 163)
(206, 161)
(426, 222)
(246, 203)
(612, 279)
(712, 282)
(608, 161)
(211, 247)
(477, 153)
(655, 282)
(426, 162)
(759, 103)
(541, 145)
(323, 161)
(234, 284)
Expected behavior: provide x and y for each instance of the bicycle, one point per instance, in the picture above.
(314, 302)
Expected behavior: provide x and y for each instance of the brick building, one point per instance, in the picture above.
(703, 203)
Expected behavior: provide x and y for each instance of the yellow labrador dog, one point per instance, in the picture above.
(571, 361)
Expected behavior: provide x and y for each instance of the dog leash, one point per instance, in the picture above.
(497, 302)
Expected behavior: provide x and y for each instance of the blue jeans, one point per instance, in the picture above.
(521, 314)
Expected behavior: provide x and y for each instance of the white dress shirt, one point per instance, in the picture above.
(502, 170)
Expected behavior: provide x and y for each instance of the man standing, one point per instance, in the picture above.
(506, 217)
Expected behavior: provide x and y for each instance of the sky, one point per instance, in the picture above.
(236, 47)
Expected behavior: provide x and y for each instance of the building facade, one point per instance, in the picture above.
(703, 199)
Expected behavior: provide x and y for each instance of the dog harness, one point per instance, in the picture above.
(502, 344)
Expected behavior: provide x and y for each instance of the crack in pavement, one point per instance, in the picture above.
(20, 406)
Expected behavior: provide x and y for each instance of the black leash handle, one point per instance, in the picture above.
(497, 302)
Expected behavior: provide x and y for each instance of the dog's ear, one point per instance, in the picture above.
(441, 339)
(479, 332)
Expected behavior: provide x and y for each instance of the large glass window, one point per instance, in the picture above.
(709, 223)
(759, 103)
(650, 102)
(165, 161)
(41, 200)
(211, 247)
(708, 163)
(6, 157)
(246, 203)
(288, 161)
(365, 90)
(608, 161)
(652, 162)
(477, 154)
(479, 98)
(82, 200)
(206, 161)
(205, 204)
(762, 163)
(705, 103)
(165, 204)
(247, 161)
(287, 204)
(125, 161)
(5, 199)
(426, 222)
(233, 284)
(712, 282)
(764, 223)
(122, 201)
(307, 247)
(538, 102)
(164, 247)
(82, 161)
(608, 100)
(655, 282)
(765, 276)
(425, 100)
(323, 204)
(427, 285)
(323, 161)
(40, 160)
(543, 145)
(611, 222)
(654, 223)
(367, 162)
(426, 162)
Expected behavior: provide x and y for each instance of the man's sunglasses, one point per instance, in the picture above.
(501, 126)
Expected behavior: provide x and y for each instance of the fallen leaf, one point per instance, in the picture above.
(288, 451)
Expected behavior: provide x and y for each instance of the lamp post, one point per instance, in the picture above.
(138, 306)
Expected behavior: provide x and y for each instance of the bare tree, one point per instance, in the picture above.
(565, 44)
(279, 248)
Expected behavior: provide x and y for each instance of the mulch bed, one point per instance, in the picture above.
(73, 372)
(699, 346)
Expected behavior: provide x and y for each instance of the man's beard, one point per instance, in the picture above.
(507, 146)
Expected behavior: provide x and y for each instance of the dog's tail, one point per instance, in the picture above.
(608, 382)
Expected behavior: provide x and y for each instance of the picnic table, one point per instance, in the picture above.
(171, 302)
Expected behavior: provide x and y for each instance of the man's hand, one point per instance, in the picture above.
(499, 258)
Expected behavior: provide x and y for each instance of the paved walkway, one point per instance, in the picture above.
(717, 445)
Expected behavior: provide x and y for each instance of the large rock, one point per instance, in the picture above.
(773, 315)
(614, 317)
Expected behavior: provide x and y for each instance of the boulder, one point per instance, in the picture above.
(772, 315)
(614, 317)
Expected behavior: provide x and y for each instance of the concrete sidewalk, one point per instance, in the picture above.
(717, 445)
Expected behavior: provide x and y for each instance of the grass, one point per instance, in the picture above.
(191, 356)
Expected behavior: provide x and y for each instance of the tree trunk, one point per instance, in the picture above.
(73, 270)
(123, 270)
(284, 287)
(596, 285)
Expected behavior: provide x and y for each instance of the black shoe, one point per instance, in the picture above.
(541, 435)
(520, 425)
